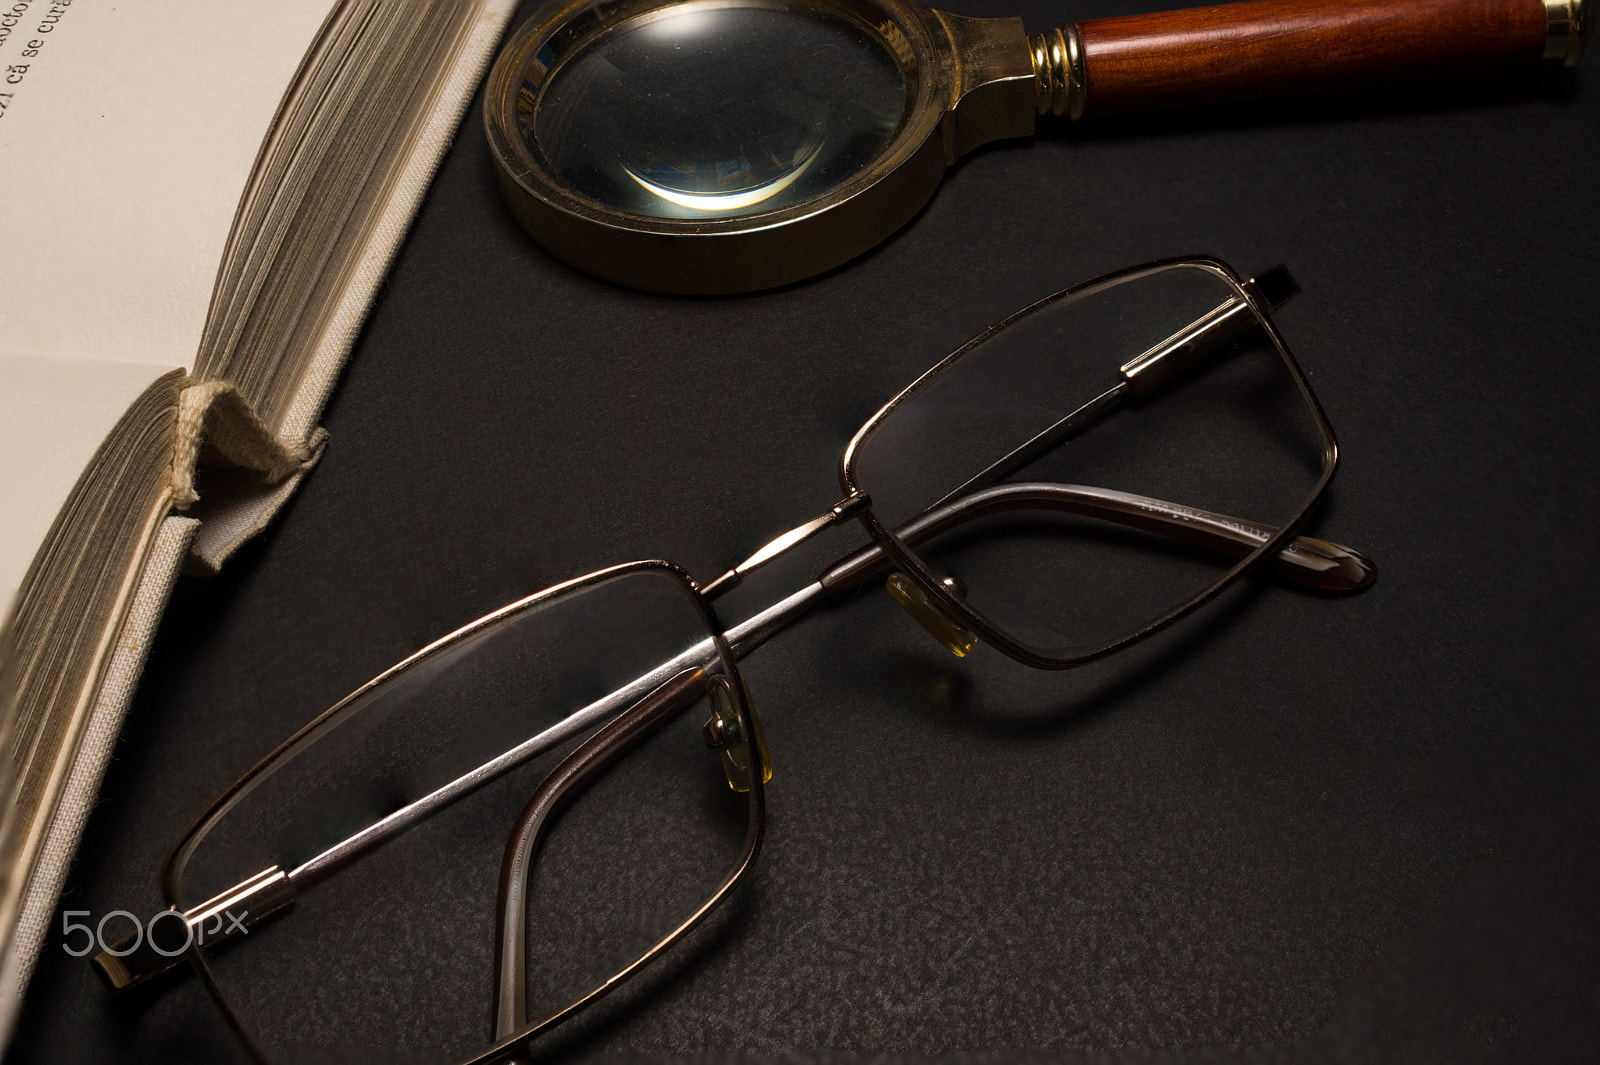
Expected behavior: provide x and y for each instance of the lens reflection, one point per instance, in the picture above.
(709, 111)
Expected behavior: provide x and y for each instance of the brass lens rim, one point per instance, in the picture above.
(723, 255)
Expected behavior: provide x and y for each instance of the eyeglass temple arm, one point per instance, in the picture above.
(1141, 376)
(557, 789)
(134, 958)
(1315, 563)
(1148, 372)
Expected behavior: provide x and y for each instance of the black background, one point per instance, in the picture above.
(1356, 829)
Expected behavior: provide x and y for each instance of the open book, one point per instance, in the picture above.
(198, 201)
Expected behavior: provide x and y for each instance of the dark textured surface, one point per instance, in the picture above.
(1300, 828)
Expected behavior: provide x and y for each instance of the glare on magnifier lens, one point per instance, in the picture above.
(703, 110)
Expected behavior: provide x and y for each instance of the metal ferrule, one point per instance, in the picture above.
(1058, 76)
(1569, 24)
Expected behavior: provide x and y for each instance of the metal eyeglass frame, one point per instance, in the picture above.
(626, 714)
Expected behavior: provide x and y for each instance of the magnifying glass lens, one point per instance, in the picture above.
(707, 111)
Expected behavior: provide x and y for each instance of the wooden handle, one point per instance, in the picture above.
(1272, 47)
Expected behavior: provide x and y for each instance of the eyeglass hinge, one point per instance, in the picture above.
(137, 956)
(1274, 287)
(850, 506)
(1215, 329)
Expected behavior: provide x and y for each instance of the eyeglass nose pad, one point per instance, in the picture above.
(722, 733)
(925, 612)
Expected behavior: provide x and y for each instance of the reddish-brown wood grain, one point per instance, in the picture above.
(1271, 47)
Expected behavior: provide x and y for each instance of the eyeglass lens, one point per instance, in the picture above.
(392, 955)
(1229, 433)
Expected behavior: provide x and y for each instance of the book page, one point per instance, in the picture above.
(53, 415)
(127, 134)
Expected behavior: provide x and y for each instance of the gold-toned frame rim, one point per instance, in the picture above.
(961, 611)
(182, 849)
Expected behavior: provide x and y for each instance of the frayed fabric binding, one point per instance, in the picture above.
(214, 417)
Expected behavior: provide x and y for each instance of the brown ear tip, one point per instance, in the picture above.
(1328, 567)
(1361, 570)
(1351, 571)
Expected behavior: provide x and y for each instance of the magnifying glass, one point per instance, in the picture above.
(713, 146)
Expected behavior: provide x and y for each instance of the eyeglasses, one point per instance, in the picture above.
(550, 742)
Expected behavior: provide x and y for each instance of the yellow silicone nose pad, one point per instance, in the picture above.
(724, 734)
(955, 638)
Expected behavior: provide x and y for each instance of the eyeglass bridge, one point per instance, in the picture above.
(843, 510)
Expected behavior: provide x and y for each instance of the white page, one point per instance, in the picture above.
(126, 139)
(125, 145)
